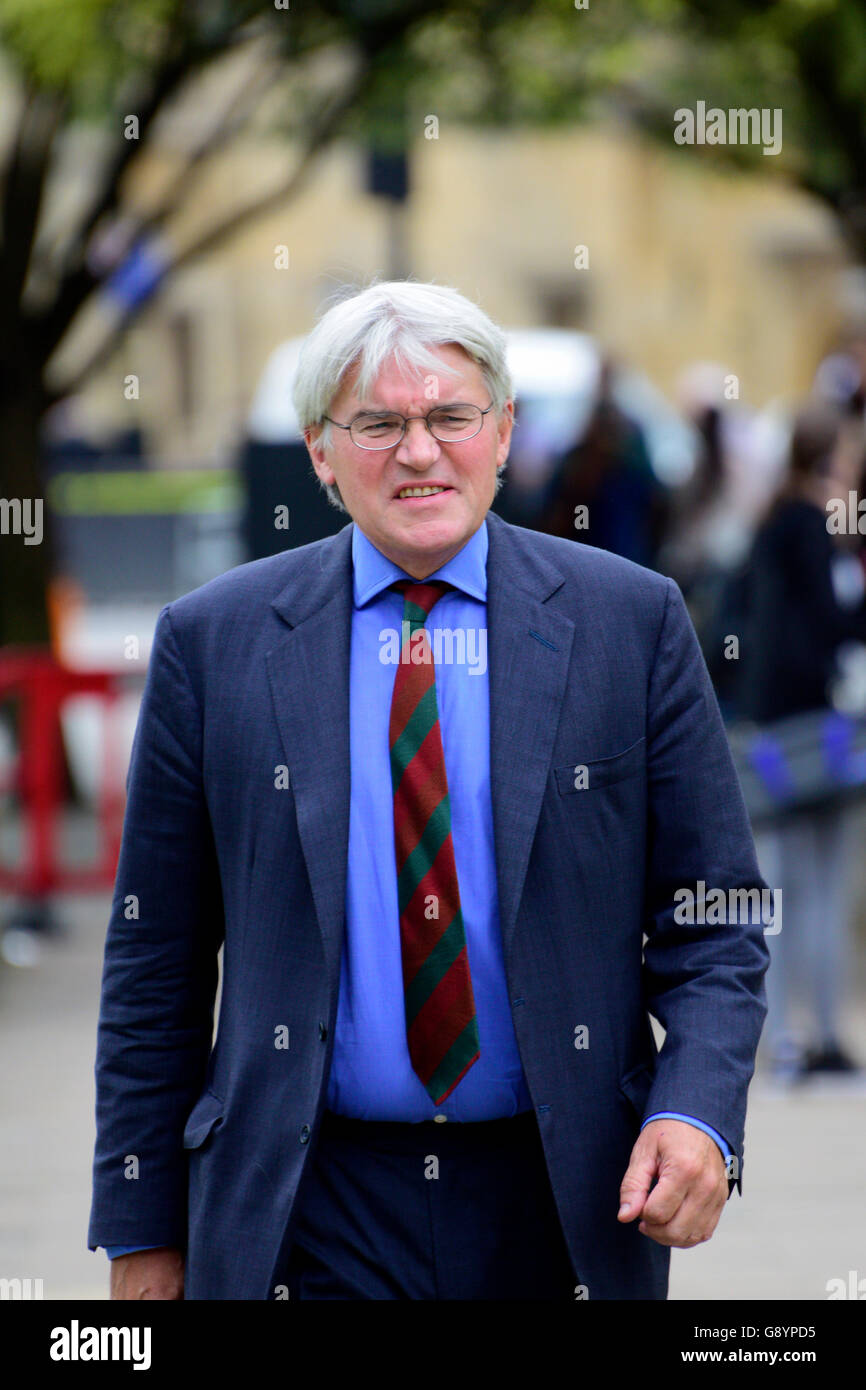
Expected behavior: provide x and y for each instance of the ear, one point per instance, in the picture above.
(324, 471)
(504, 427)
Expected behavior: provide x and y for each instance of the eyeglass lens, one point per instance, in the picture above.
(445, 422)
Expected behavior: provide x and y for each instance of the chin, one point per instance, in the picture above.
(432, 537)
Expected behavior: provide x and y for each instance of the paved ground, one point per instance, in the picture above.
(801, 1221)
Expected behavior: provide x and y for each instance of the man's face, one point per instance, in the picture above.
(418, 533)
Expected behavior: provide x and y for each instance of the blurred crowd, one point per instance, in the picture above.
(762, 533)
(765, 541)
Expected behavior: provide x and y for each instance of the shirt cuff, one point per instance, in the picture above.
(112, 1251)
(723, 1144)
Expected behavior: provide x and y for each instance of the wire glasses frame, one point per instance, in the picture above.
(374, 416)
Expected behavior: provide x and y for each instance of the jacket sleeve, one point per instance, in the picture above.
(160, 970)
(703, 978)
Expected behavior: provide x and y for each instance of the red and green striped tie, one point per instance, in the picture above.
(441, 1026)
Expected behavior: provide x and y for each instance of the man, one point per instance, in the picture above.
(432, 875)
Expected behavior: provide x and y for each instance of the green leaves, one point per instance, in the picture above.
(75, 45)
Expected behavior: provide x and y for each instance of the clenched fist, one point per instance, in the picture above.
(691, 1180)
(148, 1274)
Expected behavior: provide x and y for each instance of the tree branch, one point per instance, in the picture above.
(229, 124)
(24, 187)
(323, 131)
(183, 54)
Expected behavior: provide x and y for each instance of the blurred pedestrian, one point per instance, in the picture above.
(796, 622)
(715, 513)
(609, 473)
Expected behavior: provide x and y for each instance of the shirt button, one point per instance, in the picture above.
(323, 1031)
(440, 1119)
(304, 1135)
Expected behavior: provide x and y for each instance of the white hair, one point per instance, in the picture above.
(399, 319)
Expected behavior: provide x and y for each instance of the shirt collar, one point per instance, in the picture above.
(372, 571)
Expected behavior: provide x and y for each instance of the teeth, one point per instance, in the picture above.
(419, 491)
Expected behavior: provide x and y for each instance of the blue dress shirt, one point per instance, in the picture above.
(371, 1075)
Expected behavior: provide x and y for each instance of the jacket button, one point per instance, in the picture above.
(323, 1031)
(304, 1135)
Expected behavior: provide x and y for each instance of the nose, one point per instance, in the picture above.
(417, 446)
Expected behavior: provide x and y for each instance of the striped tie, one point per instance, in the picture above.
(441, 1026)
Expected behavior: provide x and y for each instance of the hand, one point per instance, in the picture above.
(148, 1274)
(684, 1207)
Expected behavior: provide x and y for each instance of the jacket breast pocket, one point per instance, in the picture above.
(588, 774)
(205, 1117)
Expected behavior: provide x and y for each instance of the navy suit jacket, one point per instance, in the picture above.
(236, 832)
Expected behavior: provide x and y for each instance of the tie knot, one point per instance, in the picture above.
(421, 596)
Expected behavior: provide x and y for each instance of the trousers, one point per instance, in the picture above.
(810, 859)
(453, 1211)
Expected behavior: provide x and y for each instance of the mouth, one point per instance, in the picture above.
(421, 493)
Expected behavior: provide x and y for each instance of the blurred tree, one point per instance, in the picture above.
(115, 69)
(369, 69)
(805, 57)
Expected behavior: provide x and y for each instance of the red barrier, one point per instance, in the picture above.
(43, 685)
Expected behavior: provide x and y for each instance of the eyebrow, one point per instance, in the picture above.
(389, 410)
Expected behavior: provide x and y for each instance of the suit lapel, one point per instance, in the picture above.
(529, 648)
(308, 670)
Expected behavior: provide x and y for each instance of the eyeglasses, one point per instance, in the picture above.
(450, 424)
